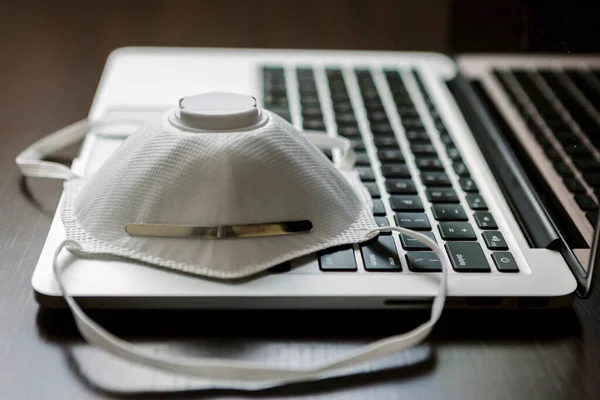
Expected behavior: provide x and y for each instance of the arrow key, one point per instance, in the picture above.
(476, 202)
(494, 240)
(485, 220)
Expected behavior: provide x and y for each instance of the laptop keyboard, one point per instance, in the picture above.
(548, 102)
(424, 191)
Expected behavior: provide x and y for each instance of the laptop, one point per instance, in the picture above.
(493, 157)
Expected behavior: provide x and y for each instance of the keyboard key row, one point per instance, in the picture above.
(381, 255)
(275, 97)
(576, 152)
(310, 105)
(345, 119)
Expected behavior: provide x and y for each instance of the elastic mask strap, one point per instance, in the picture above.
(251, 375)
(30, 161)
(324, 141)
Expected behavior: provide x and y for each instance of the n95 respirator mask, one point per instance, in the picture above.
(222, 189)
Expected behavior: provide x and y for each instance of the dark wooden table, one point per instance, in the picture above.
(52, 57)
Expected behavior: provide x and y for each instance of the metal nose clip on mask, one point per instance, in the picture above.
(220, 188)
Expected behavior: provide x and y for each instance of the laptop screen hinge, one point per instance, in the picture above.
(512, 179)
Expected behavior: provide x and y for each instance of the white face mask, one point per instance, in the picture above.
(221, 189)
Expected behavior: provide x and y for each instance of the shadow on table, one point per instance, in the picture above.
(291, 336)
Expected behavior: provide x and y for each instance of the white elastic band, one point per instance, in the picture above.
(30, 161)
(252, 374)
(324, 141)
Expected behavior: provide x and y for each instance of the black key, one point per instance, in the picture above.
(345, 120)
(587, 164)
(307, 89)
(381, 222)
(417, 136)
(485, 220)
(308, 99)
(411, 123)
(476, 202)
(373, 189)
(563, 170)
(381, 254)
(407, 112)
(366, 174)
(340, 106)
(446, 139)
(400, 186)
(592, 178)
(374, 105)
(456, 231)
(423, 149)
(349, 132)
(453, 153)
(574, 185)
(505, 262)
(552, 153)
(416, 221)
(439, 125)
(585, 202)
(362, 158)
(337, 259)
(357, 144)
(461, 169)
(370, 94)
(429, 164)
(448, 212)
(435, 179)
(409, 243)
(467, 257)
(381, 128)
(377, 116)
(340, 98)
(314, 125)
(312, 112)
(378, 207)
(592, 216)
(406, 203)
(577, 150)
(442, 195)
(403, 101)
(423, 261)
(386, 142)
(386, 156)
(395, 171)
(494, 240)
(468, 185)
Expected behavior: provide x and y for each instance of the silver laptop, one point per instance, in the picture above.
(433, 149)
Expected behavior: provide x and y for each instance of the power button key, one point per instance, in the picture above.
(505, 262)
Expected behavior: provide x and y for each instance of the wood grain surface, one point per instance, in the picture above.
(52, 57)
